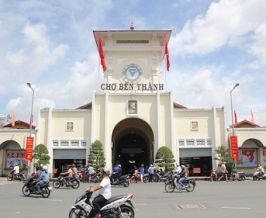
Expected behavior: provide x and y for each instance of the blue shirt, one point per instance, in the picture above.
(44, 176)
(141, 170)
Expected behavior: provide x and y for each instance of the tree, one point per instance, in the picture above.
(41, 155)
(165, 158)
(223, 154)
(96, 157)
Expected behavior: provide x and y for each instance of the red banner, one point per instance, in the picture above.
(234, 147)
(29, 148)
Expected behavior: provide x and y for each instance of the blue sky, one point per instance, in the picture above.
(214, 44)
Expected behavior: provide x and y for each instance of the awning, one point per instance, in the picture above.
(69, 153)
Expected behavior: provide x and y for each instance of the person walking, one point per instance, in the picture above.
(151, 171)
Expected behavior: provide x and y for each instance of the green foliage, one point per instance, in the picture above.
(165, 158)
(96, 157)
(41, 155)
(223, 154)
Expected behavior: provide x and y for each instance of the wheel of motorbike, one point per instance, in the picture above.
(56, 184)
(190, 186)
(77, 213)
(26, 191)
(22, 177)
(127, 211)
(75, 184)
(9, 178)
(145, 179)
(46, 192)
(255, 178)
(126, 184)
(169, 187)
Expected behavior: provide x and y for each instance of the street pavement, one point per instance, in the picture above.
(209, 200)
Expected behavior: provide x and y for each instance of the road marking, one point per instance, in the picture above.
(56, 200)
(190, 206)
(238, 208)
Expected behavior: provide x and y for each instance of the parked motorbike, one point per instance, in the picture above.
(60, 182)
(259, 175)
(237, 175)
(213, 176)
(19, 176)
(122, 180)
(116, 207)
(30, 188)
(156, 177)
(189, 185)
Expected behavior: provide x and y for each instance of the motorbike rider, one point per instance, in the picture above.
(43, 178)
(260, 170)
(117, 172)
(67, 175)
(179, 174)
(104, 191)
(15, 171)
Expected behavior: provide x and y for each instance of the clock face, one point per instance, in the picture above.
(132, 72)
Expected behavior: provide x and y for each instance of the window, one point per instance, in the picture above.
(64, 142)
(194, 125)
(69, 126)
(181, 142)
(132, 107)
(55, 143)
(190, 142)
(83, 143)
(209, 142)
(200, 141)
(74, 143)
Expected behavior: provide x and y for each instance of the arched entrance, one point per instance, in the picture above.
(249, 153)
(132, 141)
(10, 154)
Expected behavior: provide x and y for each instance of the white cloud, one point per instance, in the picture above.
(225, 22)
(37, 53)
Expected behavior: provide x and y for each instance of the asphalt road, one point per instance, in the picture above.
(209, 200)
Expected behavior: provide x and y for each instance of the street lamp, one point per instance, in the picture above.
(232, 116)
(32, 101)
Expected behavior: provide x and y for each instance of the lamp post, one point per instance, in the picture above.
(232, 113)
(32, 102)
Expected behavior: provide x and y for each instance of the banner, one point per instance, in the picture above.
(234, 147)
(29, 148)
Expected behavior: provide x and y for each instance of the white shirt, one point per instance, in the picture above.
(16, 169)
(105, 191)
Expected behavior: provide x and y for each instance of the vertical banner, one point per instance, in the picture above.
(234, 147)
(29, 148)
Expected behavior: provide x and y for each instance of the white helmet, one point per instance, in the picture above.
(45, 167)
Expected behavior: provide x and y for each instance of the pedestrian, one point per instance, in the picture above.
(141, 171)
(151, 171)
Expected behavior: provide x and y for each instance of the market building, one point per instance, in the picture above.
(133, 115)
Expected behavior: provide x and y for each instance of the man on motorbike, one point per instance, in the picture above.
(15, 171)
(180, 173)
(67, 175)
(117, 172)
(43, 178)
(260, 170)
(104, 191)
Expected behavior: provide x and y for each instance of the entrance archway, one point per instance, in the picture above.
(132, 141)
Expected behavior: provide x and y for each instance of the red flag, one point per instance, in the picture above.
(252, 117)
(235, 117)
(101, 53)
(167, 57)
(13, 120)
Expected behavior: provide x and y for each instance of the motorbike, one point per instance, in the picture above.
(135, 177)
(258, 175)
(156, 177)
(237, 175)
(213, 176)
(19, 176)
(116, 207)
(30, 188)
(122, 180)
(189, 185)
(60, 182)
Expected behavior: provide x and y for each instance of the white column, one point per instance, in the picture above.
(49, 141)
(175, 150)
(157, 144)
(213, 139)
(107, 141)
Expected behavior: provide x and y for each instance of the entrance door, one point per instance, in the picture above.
(132, 144)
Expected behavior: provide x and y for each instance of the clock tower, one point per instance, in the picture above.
(133, 57)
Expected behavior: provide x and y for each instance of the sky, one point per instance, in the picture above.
(213, 46)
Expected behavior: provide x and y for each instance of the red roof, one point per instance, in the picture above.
(19, 124)
(246, 124)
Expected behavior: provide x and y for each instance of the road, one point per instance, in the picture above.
(209, 200)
